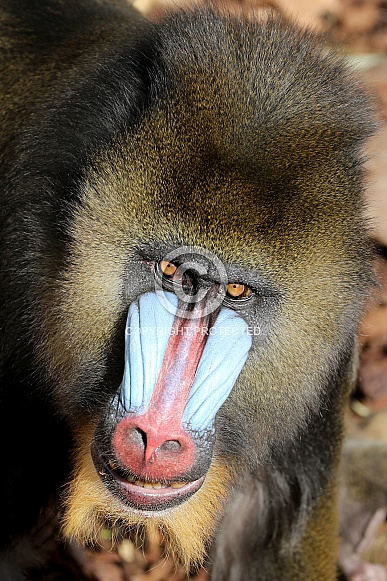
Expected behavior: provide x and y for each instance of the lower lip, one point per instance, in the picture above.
(155, 499)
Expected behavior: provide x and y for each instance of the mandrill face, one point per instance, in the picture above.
(177, 321)
(155, 450)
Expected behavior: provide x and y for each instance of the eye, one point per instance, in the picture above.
(170, 275)
(167, 268)
(238, 291)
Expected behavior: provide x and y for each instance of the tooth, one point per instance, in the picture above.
(177, 484)
(156, 485)
(139, 483)
(147, 485)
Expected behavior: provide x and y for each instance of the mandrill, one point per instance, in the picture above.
(183, 267)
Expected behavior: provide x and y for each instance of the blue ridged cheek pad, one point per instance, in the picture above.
(148, 329)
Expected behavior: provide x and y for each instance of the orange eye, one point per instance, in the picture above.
(167, 268)
(238, 291)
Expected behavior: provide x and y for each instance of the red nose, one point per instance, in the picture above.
(153, 449)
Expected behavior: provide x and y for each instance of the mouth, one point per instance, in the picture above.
(141, 493)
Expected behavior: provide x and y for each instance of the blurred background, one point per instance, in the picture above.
(359, 27)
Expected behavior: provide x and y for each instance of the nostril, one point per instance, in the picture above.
(137, 436)
(170, 446)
